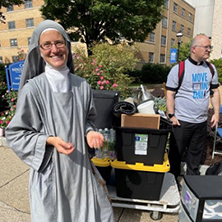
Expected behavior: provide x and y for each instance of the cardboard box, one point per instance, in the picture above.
(139, 120)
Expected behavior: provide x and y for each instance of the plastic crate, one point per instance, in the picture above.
(139, 181)
(103, 166)
(135, 145)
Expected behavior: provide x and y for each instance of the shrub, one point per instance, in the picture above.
(218, 65)
(6, 116)
(10, 98)
(154, 73)
(106, 68)
(3, 86)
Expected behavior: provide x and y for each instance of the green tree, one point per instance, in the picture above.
(184, 50)
(94, 21)
(7, 3)
(218, 65)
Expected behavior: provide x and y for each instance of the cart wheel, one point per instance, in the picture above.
(156, 215)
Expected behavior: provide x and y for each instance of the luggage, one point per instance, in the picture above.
(215, 169)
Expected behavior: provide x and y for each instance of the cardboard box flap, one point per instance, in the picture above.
(139, 120)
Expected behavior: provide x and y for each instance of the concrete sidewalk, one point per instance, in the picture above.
(14, 196)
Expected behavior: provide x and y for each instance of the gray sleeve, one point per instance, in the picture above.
(24, 133)
(172, 79)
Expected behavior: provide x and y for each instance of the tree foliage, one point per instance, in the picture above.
(184, 50)
(7, 3)
(93, 21)
(218, 65)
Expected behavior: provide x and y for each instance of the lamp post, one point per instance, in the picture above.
(179, 35)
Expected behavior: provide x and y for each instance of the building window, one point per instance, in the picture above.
(29, 22)
(163, 40)
(15, 58)
(183, 12)
(1, 59)
(13, 42)
(151, 56)
(174, 25)
(166, 3)
(28, 4)
(188, 31)
(29, 40)
(10, 8)
(164, 22)
(152, 37)
(162, 58)
(190, 16)
(172, 42)
(182, 28)
(175, 7)
(11, 25)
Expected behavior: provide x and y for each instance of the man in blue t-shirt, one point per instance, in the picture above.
(188, 106)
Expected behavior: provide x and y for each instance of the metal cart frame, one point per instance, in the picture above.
(169, 199)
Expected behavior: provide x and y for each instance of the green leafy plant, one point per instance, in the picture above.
(6, 116)
(10, 98)
(107, 67)
(3, 86)
(21, 54)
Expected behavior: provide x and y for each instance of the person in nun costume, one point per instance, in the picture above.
(51, 131)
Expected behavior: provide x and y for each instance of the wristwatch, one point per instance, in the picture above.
(171, 115)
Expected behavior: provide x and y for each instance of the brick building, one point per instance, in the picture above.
(16, 32)
(178, 16)
(21, 20)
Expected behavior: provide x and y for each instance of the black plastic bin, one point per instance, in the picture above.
(103, 166)
(135, 145)
(139, 181)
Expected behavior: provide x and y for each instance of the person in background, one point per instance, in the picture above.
(188, 106)
(51, 131)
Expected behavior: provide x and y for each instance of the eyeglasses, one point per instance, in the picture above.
(48, 45)
(206, 46)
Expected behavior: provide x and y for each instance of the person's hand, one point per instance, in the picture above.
(61, 146)
(94, 139)
(214, 121)
(175, 121)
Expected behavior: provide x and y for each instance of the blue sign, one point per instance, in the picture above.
(173, 55)
(13, 75)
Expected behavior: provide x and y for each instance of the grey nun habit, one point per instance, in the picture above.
(63, 188)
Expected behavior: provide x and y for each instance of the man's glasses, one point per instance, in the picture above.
(48, 45)
(206, 46)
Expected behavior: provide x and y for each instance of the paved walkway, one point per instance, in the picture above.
(14, 198)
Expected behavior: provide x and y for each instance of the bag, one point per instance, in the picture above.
(123, 108)
(215, 169)
(104, 101)
(182, 68)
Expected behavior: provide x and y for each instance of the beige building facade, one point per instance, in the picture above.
(15, 33)
(178, 16)
(208, 21)
(20, 22)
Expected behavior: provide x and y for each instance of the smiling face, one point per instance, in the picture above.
(55, 53)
